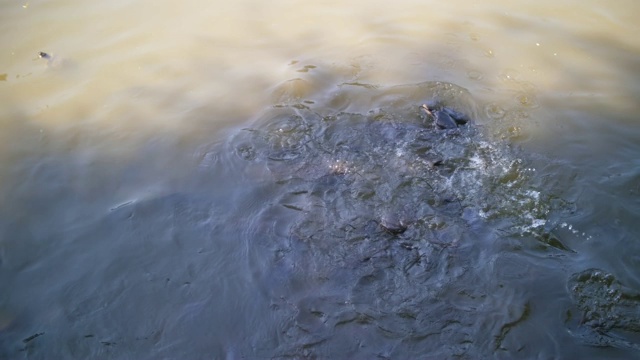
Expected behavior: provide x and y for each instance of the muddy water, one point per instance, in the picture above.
(252, 180)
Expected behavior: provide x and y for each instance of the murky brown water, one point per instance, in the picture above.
(257, 180)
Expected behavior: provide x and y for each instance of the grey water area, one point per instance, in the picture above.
(343, 225)
(361, 180)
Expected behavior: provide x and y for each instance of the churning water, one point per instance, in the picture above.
(249, 180)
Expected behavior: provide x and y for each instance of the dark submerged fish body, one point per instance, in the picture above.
(445, 118)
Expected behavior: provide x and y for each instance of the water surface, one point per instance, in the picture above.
(249, 180)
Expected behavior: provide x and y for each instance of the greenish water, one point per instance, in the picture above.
(251, 181)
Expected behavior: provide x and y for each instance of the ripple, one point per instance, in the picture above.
(527, 99)
(475, 75)
(375, 215)
(494, 111)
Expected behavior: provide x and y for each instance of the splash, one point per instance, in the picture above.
(386, 156)
(377, 212)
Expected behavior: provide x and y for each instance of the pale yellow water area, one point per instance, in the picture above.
(135, 69)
